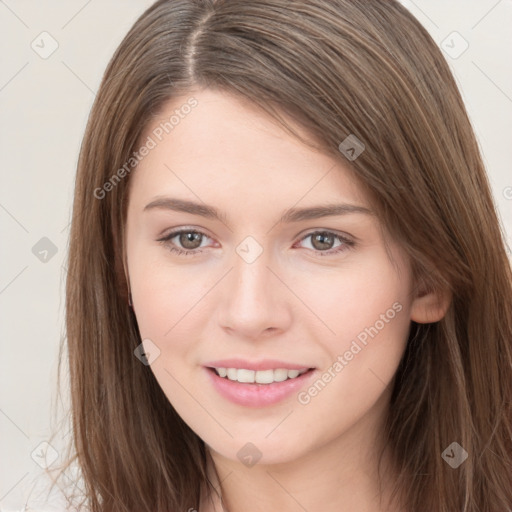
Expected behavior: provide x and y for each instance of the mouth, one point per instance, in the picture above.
(258, 388)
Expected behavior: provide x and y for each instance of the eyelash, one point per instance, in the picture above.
(346, 243)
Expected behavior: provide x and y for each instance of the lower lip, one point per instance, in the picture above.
(257, 395)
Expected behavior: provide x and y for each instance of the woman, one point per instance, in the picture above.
(288, 288)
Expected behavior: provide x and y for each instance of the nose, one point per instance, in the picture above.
(253, 301)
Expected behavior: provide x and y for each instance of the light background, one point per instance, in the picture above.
(44, 106)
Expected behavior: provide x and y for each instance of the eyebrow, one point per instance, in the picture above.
(290, 215)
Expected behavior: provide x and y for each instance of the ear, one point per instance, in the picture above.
(429, 305)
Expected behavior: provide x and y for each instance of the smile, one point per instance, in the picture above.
(258, 388)
(260, 376)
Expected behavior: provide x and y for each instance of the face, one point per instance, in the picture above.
(234, 262)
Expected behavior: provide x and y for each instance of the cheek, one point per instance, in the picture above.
(357, 299)
(367, 310)
(169, 306)
(165, 296)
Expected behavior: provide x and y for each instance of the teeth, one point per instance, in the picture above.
(245, 375)
(260, 376)
(264, 376)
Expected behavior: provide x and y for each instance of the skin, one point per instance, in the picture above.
(292, 303)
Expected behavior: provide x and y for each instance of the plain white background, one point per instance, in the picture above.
(45, 101)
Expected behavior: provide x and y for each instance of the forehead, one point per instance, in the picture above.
(225, 147)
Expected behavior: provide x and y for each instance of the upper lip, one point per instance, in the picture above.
(265, 364)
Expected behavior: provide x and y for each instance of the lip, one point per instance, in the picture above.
(266, 364)
(254, 394)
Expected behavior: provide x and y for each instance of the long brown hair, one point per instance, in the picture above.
(338, 68)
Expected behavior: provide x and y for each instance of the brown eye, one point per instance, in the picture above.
(327, 243)
(185, 241)
(322, 241)
(190, 239)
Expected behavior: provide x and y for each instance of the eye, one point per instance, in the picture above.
(324, 242)
(187, 241)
